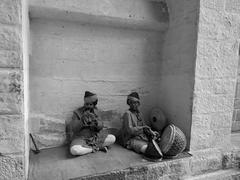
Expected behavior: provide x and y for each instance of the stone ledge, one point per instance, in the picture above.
(57, 163)
(120, 163)
(231, 174)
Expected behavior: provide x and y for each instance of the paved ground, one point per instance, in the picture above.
(56, 163)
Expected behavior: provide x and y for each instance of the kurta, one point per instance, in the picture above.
(132, 127)
(84, 132)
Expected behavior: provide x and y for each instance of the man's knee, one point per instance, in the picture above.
(79, 150)
(110, 139)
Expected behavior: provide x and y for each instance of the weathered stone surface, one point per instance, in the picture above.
(179, 167)
(10, 11)
(10, 103)
(235, 125)
(237, 115)
(10, 82)
(157, 171)
(107, 176)
(205, 103)
(227, 160)
(233, 6)
(11, 167)
(11, 134)
(136, 173)
(215, 86)
(218, 175)
(206, 161)
(214, 62)
(201, 138)
(10, 38)
(10, 58)
(236, 103)
(212, 120)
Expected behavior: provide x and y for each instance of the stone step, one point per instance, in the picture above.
(230, 174)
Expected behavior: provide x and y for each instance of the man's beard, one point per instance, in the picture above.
(134, 110)
(89, 109)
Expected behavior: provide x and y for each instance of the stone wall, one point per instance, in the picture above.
(178, 62)
(215, 74)
(70, 57)
(12, 129)
(233, 7)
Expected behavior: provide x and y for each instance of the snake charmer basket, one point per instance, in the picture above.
(173, 141)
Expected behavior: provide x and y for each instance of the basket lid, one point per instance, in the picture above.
(167, 138)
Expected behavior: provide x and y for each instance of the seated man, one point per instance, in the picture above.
(135, 134)
(85, 131)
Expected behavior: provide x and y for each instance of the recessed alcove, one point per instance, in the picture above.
(110, 48)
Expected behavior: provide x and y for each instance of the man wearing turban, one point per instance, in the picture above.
(85, 131)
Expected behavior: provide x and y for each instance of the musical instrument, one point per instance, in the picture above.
(173, 141)
(158, 121)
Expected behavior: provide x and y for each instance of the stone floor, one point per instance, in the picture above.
(56, 163)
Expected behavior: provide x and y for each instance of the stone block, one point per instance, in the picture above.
(11, 134)
(237, 103)
(221, 120)
(238, 90)
(208, 31)
(212, 121)
(202, 121)
(216, 59)
(235, 126)
(136, 173)
(10, 38)
(205, 103)
(206, 161)
(11, 167)
(221, 137)
(10, 11)
(179, 167)
(237, 115)
(10, 58)
(201, 138)
(232, 6)
(227, 160)
(10, 103)
(10, 82)
(157, 171)
(215, 85)
(214, 4)
(107, 176)
(216, 25)
(229, 28)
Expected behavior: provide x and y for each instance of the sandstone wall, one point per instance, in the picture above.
(12, 125)
(215, 74)
(233, 7)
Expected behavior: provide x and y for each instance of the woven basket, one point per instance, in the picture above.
(173, 141)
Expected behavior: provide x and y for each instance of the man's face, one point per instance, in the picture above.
(134, 105)
(89, 105)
